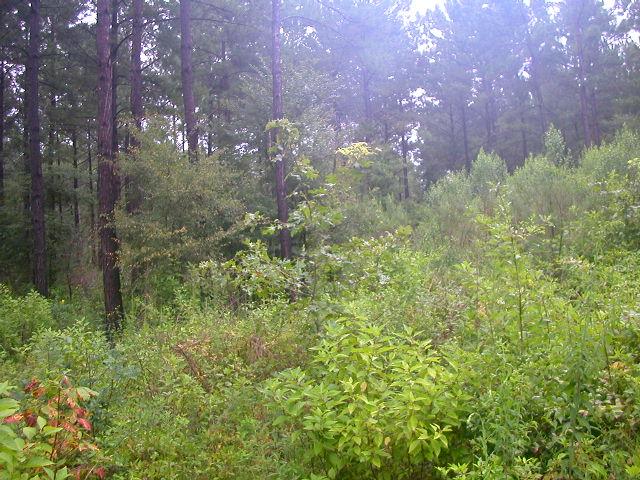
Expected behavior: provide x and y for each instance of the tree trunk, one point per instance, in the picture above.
(113, 39)
(582, 89)
(405, 166)
(40, 275)
(76, 210)
(368, 110)
(2, 133)
(186, 46)
(277, 114)
(92, 213)
(136, 68)
(465, 139)
(108, 181)
(595, 125)
(452, 139)
(134, 196)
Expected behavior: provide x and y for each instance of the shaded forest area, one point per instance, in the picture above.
(319, 240)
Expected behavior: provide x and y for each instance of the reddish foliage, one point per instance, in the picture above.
(85, 423)
(15, 418)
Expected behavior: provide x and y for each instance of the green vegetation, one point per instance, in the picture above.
(490, 331)
(319, 240)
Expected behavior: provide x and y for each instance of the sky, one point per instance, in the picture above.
(421, 6)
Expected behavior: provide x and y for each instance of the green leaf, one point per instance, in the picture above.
(8, 406)
(413, 445)
(41, 422)
(29, 432)
(36, 462)
(62, 474)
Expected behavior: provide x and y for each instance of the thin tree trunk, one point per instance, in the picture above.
(594, 117)
(51, 188)
(465, 138)
(92, 214)
(405, 166)
(2, 133)
(186, 46)
(136, 68)
(582, 89)
(107, 177)
(76, 210)
(277, 114)
(134, 196)
(368, 111)
(452, 139)
(40, 275)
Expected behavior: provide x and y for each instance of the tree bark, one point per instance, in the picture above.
(405, 166)
(113, 39)
(465, 138)
(76, 210)
(2, 133)
(136, 68)
(186, 46)
(92, 214)
(108, 181)
(582, 89)
(134, 196)
(277, 114)
(40, 274)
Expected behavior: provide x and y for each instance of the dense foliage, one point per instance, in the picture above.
(319, 240)
(487, 333)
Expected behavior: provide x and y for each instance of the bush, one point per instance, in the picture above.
(374, 403)
(20, 318)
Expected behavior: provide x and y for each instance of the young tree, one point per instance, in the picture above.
(277, 114)
(108, 180)
(40, 274)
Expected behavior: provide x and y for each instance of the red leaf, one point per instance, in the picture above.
(68, 427)
(32, 385)
(15, 418)
(100, 472)
(31, 419)
(85, 423)
(38, 392)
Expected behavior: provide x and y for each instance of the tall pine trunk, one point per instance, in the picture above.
(134, 196)
(2, 133)
(40, 275)
(186, 69)
(277, 113)
(76, 209)
(108, 181)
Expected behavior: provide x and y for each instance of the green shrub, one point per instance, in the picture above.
(20, 318)
(598, 162)
(374, 403)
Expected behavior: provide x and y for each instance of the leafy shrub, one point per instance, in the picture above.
(373, 403)
(546, 192)
(451, 209)
(599, 162)
(488, 173)
(49, 437)
(21, 317)
(78, 351)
